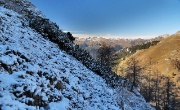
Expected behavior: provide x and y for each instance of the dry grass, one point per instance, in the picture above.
(161, 56)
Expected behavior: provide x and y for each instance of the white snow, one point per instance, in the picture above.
(63, 105)
(38, 65)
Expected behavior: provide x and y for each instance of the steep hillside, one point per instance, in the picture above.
(36, 74)
(126, 52)
(157, 72)
(163, 57)
(162, 54)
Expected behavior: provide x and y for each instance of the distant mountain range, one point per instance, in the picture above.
(91, 44)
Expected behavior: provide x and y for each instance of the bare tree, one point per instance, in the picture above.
(170, 94)
(148, 83)
(133, 71)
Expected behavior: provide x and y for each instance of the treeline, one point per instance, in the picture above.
(143, 46)
(131, 50)
(156, 88)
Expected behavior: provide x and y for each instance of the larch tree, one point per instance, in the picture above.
(133, 71)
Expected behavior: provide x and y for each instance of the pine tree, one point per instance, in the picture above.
(104, 54)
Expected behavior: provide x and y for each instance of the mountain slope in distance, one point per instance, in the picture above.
(161, 57)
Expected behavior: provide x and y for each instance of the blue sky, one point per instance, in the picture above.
(124, 18)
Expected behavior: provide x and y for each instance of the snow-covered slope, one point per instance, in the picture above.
(36, 74)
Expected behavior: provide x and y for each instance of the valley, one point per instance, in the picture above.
(156, 64)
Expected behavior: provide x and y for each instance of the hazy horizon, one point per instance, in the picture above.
(121, 37)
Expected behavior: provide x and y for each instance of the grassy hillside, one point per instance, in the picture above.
(161, 57)
(162, 54)
(157, 72)
(119, 56)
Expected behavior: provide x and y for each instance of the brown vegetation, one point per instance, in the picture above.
(159, 82)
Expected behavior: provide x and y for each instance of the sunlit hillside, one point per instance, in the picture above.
(161, 56)
(156, 72)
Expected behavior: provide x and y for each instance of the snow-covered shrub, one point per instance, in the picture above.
(6, 67)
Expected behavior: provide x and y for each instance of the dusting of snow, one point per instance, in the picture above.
(32, 68)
